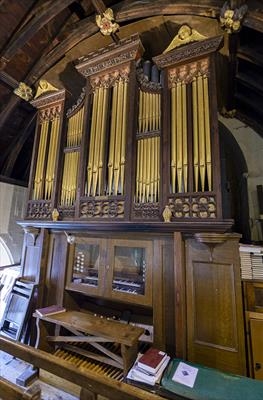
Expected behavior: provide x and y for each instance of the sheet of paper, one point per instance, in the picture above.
(185, 374)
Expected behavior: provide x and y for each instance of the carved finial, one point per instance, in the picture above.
(55, 215)
(106, 22)
(230, 19)
(43, 87)
(185, 35)
(24, 91)
(167, 214)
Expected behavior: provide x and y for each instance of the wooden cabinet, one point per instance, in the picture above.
(117, 269)
(253, 302)
(215, 327)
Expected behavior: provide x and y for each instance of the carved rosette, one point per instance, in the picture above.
(201, 207)
(39, 210)
(102, 209)
(146, 211)
(186, 73)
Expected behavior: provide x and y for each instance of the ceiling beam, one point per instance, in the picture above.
(39, 20)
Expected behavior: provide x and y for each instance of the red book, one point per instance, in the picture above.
(152, 360)
(49, 310)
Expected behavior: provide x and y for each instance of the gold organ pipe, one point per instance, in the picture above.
(159, 109)
(64, 180)
(158, 166)
(202, 162)
(195, 133)
(123, 133)
(102, 138)
(184, 135)
(179, 142)
(112, 136)
(138, 170)
(97, 134)
(39, 174)
(207, 134)
(148, 169)
(52, 158)
(92, 141)
(144, 128)
(141, 169)
(144, 167)
(173, 139)
(140, 110)
(117, 147)
(150, 128)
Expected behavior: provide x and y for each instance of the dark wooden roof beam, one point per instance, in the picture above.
(8, 80)
(34, 25)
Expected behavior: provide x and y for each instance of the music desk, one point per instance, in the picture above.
(95, 331)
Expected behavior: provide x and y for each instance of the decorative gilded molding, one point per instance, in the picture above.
(231, 19)
(106, 22)
(185, 35)
(78, 103)
(50, 113)
(187, 72)
(110, 78)
(24, 92)
(191, 50)
(112, 56)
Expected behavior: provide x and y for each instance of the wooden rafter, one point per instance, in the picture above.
(35, 24)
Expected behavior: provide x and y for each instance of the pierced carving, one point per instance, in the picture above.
(201, 207)
(102, 209)
(39, 210)
(146, 210)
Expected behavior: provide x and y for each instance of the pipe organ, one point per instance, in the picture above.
(141, 138)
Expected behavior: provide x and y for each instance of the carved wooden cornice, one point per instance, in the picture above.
(112, 56)
(49, 99)
(189, 51)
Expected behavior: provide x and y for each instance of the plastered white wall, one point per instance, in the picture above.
(251, 145)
